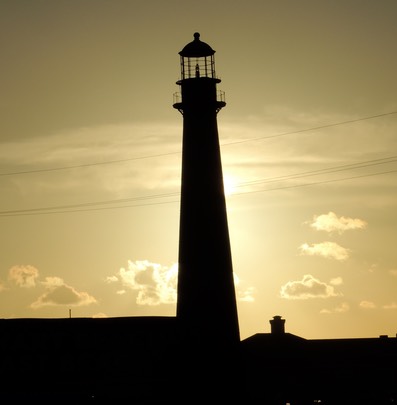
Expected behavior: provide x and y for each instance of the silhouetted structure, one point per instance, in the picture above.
(282, 368)
(206, 307)
(205, 262)
(197, 356)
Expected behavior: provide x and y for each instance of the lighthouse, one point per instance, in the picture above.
(206, 304)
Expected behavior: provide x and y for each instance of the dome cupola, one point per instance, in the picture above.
(197, 60)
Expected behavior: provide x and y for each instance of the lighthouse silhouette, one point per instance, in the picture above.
(206, 305)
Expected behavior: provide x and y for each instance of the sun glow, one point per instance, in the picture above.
(229, 185)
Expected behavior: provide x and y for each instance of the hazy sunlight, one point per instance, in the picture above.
(229, 185)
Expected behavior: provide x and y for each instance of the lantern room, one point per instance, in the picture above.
(197, 60)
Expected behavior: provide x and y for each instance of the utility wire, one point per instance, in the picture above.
(335, 124)
(317, 172)
(317, 182)
(66, 211)
(107, 162)
(174, 153)
(93, 206)
(90, 204)
(175, 201)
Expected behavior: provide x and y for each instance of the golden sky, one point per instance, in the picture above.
(90, 158)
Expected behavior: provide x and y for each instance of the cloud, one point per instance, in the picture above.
(392, 305)
(343, 307)
(88, 145)
(393, 272)
(367, 305)
(374, 267)
(336, 281)
(244, 294)
(100, 315)
(121, 292)
(330, 222)
(23, 276)
(308, 287)
(325, 249)
(156, 284)
(59, 293)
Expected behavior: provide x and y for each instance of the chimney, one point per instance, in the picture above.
(277, 325)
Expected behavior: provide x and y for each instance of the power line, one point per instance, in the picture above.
(317, 182)
(174, 153)
(67, 211)
(93, 206)
(108, 162)
(311, 128)
(359, 165)
(88, 204)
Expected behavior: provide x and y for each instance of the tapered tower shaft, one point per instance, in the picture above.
(206, 303)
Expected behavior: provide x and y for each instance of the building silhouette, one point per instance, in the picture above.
(282, 368)
(197, 356)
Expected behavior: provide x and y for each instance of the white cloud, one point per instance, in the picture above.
(367, 305)
(374, 267)
(308, 287)
(325, 249)
(105, 154)
(100, 315)
(156, 284)
(336, 281)
(23, 276)
(111, 279)
(244, 293)
(59, 293)
(121, 292)
(331, 222)
(343, 307)
(392, 305)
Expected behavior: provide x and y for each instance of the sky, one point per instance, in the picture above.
(90, 159)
